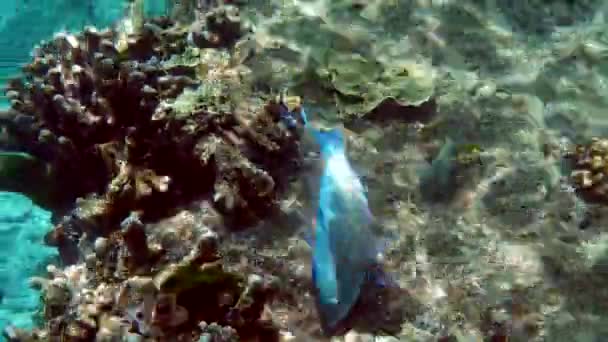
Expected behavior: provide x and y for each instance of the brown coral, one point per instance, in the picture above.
(590, 164)
(151, 182)
(219, 27)
(81, 95)
(104, 115)
(82, 304)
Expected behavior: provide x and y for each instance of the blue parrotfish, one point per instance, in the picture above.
(345, 250)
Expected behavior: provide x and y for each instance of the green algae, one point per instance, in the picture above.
(188, 276)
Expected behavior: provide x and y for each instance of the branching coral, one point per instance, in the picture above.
(136, 126)
(82, 91)
(108, 111)
(85, 302)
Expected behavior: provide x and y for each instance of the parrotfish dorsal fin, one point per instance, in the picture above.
(340, 132)
(331, 141)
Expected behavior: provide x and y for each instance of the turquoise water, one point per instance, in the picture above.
(22, 255)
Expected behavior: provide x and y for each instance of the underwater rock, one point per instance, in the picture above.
(409, 82)
(568, 119)
(540, 16)
(390, 110)
(518, 193)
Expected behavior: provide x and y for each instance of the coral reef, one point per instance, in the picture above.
(457, 112)
(103, 298)
(81, 94)
(218, 27)
(135, 125)
(589, 164)
(104, 109)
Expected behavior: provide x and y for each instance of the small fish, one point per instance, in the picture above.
(345, 251)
